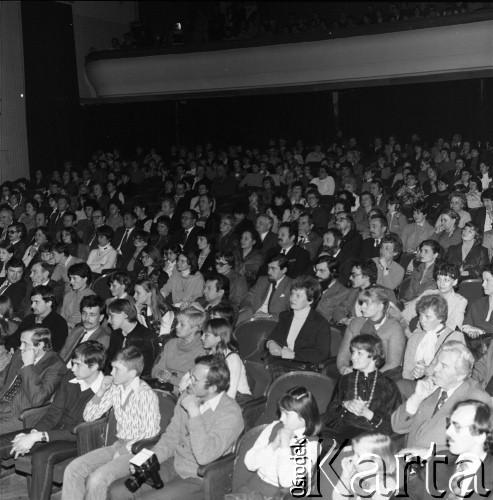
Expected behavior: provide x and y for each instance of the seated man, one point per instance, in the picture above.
(307, 237)
(468, 432)
(127, 331)
(92, 314)
(423, 416)
(30, 379)
(40, 275)
(334, 294)
(302, 335)
(270, 294)
(390, 273)
(14, 287)
(80, 279)
(205, 426)
(52, 440)
(216, 290)
(43, 305)
(137, 417)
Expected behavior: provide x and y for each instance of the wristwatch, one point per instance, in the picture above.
(44, 437)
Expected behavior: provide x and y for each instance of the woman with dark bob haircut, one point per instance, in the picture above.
(365, 397)
(470, 255)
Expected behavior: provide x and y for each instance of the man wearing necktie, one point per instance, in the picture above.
(371, 246)
(423, 416)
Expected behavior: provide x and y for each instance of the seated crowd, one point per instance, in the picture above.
(354, 256)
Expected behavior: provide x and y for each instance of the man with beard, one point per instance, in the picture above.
(333, 293)
(270, 294)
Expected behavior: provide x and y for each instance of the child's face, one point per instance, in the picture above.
(361, 359)
(121, 374)
(209, 340)
(362, 459)
(291, 420)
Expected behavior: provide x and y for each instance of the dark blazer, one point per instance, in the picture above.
(127, 249)
(190, 245)
(313, 342)
(369, 250)
(209, 265)
(39, 381)
(475, 263)
(299, 261)
(258, 293)
(226, 243)
(269, 242)
(313, 245)
(350, 246)
(334, 296)
(54, 322)
(417, 489)
(320, 216)
(25, 307)
(19, 249)
(212, 223)
(16, 292)
(102, 335)
(479, 216)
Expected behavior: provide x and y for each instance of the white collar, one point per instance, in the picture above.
(211, 404)
(95, 386)
(133, 386)
(106, 247)
(286, 250)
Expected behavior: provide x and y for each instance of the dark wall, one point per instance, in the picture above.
(52, 100)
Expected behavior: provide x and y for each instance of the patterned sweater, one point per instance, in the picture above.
(137, 418)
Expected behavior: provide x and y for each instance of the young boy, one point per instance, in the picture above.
(137, 416)
(80, 279)
(365, 398)
(178, 355)
(52, 439)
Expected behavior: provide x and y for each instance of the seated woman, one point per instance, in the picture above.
(5, 354)
(248, 257)
(32, 254)
(446, 277)
(420, 230)
(186, 284)
(365, 447)
(152, 311)
(206, 261)
(364, 398)
(430, 255)
(458, 203)
(271, 455)
(7, 313)
(479, 318)
(390, 273)
(426, 341)
(163, 236)
(302, 335)
(362, 215)
(152, 267)
(6, 253)
(379, 318)
(104, 257)
(448, 231)
(178, 355)
(226, 238)
(140, 240)
(218, 338)
(77, 249)
(121, 287)
(170, 254)
(397, 221)
(470, 255)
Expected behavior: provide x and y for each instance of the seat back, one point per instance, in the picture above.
(251, 336)
(167, 403)
(319, 385)
(241, 474)
(100, 287)
(472, 290)
(336, 334)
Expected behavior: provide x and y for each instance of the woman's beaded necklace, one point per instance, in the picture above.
(372, 392)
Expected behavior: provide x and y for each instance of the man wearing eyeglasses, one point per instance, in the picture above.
(423, 416)
(205, 426)
(469, 456)
(15, 235)
(351, 239)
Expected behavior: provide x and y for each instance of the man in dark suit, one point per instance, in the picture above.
(302, 335)
(371, 246)
(56, 219)
(208, 220)
(30, 379)
(40, 220)
(43, 305)
(319, 214)
(270, 294)
(123, 241)
(350, 247)
(182, 198)
(40, 275)
(423, 416)
(333, 293)
(307, 237)
(14, 287)
(298, 258)
(263, 226)
(376, 189)
(483, 216)
(16, 235)
(469, 455)
(91, 309)
(187, 236)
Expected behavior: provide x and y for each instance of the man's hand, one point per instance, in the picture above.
(424, 388)
(419, 371)
(472, 331)
(287, 353)
(22, 443)
(163, 375)
(274, 348)
(105, 385)
(191, 405)
(28, 356)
